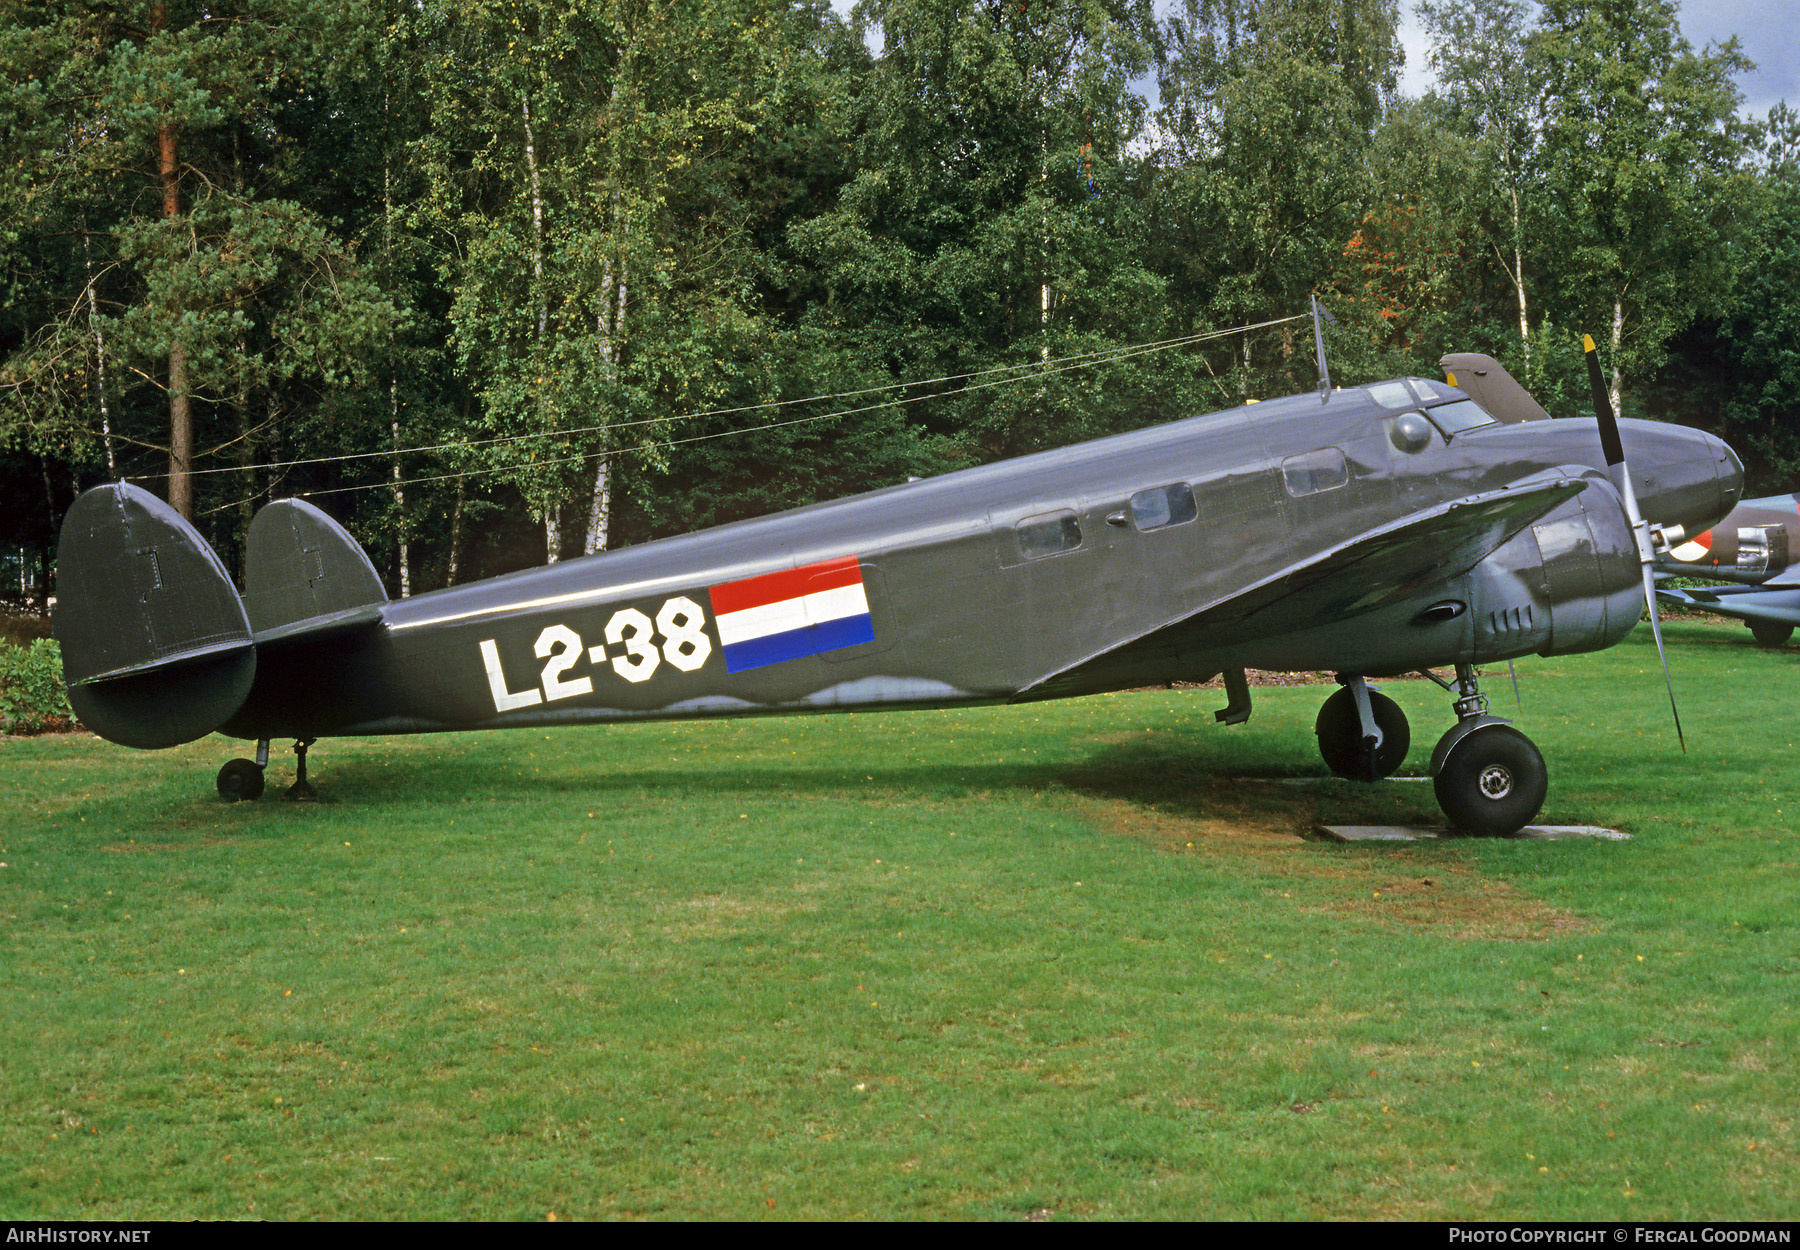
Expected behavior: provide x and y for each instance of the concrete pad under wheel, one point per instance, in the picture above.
(1437, 833)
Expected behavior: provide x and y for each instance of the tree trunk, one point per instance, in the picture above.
(600, 515)
(1617, 392)
(1519, 280)
(93, 303)
(399, 494)
(387, 247)
(552, 522)
(181, 420)
(455, 534)
(609, 328)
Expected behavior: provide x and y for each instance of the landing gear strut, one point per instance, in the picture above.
(243, 779)
(1489, 777)
(1363, 734)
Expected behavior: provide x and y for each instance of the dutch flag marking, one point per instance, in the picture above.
(794, 613)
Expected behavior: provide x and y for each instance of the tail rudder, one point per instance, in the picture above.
(1486, 381)
(305, 574)
(156, 644)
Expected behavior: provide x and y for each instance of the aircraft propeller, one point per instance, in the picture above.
(1617, 470)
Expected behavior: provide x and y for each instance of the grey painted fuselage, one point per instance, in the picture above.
(1319, 539)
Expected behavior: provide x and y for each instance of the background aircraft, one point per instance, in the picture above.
(1755, 547)
(1368, 531)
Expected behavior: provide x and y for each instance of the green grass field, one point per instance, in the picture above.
(1070, 960)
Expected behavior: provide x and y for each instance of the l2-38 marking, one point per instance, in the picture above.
(680, 623)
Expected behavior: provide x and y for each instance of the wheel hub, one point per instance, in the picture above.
(1496, 782)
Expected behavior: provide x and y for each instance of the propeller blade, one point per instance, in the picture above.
(1656, 628)
(1620, 474)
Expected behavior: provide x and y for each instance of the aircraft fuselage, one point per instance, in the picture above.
(1171, 553)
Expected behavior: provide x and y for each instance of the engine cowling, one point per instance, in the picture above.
(1569, 582)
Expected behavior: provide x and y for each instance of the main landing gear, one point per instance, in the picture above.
(1771, 634)
(1489, 777)
(1363, 734)
(243, 779)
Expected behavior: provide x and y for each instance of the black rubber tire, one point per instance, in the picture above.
(1771, 634)
(1340, 736)
(1493, 781)
(240, 779)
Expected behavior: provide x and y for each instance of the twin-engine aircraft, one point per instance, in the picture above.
(1755, 547)
(1368, 531)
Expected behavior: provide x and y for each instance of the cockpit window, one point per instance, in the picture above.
(1392, 395)
(1428, 391)
(1464, 414)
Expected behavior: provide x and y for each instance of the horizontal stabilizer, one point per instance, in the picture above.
(303, 566)
(156, 646)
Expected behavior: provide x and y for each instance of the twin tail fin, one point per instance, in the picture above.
(157, 646)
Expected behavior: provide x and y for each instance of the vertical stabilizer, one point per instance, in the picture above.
(1486, 381)
(303, 566)
(156, 646)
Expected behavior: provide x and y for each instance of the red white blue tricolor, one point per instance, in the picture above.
(791, 614)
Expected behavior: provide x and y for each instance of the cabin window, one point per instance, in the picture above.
(1162, 506)
(1050, 535)
(1314, 471)
(1464, 414)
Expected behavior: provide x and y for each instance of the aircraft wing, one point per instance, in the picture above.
(1361, 574)
(1746, 603)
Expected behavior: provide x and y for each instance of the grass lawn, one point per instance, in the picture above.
(1068, 960)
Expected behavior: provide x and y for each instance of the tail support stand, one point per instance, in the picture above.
(300, 791)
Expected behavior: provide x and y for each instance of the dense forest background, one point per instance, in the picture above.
(502, 281)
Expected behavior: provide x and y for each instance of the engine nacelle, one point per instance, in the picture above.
(1569, 582)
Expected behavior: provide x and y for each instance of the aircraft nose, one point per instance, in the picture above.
(1685, 477)
(1729, 471)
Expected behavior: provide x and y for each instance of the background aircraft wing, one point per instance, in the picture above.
(1746, 603)
(1358, 575)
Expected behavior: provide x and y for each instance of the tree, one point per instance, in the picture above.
(588, 164)
(1269, 107)
(1741, 369)
(1416, 278)
(1640, 159)
(1485, 83)
(169, 260)
(991, 221)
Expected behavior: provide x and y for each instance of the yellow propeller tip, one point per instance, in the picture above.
(1587, 342)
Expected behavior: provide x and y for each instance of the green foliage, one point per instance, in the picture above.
(32, 697)
(600, 273)
(1760, 334)
(1641, 156)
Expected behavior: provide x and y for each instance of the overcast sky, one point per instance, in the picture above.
(1769, 31)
